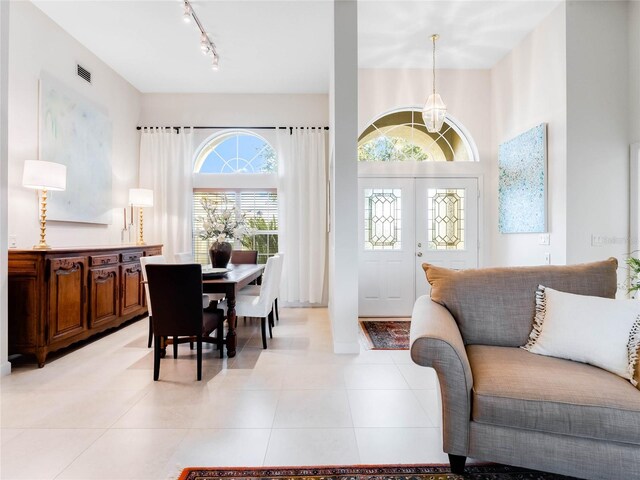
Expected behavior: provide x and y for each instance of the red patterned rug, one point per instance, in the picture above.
(368, 472)
(387, 334)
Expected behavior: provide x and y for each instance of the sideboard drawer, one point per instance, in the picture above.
(130, 256)
(152, 251)
(103, 259)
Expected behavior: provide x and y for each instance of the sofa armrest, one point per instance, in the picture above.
(436, 342)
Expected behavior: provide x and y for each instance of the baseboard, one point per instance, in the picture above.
(5, 369)
(343, 348)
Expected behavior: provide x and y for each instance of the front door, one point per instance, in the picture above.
(405, 222)
(386, 239)
(446, 226)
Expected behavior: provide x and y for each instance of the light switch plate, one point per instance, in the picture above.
(547, 258)
(13, 241)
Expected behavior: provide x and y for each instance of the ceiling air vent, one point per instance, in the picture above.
(84, 73)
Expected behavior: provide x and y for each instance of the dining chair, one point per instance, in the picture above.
(144, 261)
(260, 305)
(244, 256)
(255, 289)
(176, 294)
(187, 257)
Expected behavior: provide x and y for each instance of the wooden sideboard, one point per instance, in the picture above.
(61, 296)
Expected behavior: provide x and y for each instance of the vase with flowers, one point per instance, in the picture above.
(222, 226)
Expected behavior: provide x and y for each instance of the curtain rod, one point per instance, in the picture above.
(177, 129)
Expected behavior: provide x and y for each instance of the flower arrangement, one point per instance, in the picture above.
(221, 225)
(634, 274)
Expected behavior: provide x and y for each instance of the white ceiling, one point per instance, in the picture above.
(473, 34)
(286, 46)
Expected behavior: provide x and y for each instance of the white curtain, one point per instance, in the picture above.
(166, 159)
(302, 199)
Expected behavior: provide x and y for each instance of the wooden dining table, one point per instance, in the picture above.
(230, 284)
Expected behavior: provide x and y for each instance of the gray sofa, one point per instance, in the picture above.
(503, 404)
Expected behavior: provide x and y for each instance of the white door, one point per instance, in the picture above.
(387, 247)
(446, 226)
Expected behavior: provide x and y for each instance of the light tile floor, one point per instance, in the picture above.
(95, 412)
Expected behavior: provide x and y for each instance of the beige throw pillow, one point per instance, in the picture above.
(599, 331)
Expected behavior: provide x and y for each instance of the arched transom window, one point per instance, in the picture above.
(236, 152)
(402, 136)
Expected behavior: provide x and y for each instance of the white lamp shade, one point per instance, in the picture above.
(434, 113)
(141, 197)
(44, 175)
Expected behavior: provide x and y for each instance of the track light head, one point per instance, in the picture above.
(214, 64)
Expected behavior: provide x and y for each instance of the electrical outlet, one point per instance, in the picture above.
(544, 239)
(547, 258)
(13, 241)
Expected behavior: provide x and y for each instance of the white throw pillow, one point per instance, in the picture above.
(599, 331)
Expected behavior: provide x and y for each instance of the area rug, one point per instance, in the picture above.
(370, 472)
(387, 335)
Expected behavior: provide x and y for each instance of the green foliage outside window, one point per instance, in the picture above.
(391, 149)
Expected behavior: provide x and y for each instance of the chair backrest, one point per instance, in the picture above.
(144, 261)
(184, 257)
(244, 256)
(269, 279)
(278, 276)
(176, 295)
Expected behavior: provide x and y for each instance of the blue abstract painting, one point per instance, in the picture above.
(522, 192)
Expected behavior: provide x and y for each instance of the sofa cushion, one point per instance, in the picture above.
(515, 388)
(496, 306)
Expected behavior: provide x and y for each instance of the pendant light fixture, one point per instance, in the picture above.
(434, 110)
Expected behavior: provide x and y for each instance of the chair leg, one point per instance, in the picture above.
(199, 349)
(263, 327)
(270, 323)
(277, 313)
(175, 347)
(457, 463)
(191, 344)
(156, 358)
(220, 334)
(150, 332)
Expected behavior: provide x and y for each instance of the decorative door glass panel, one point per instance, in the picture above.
(382, 219)
(445, 218)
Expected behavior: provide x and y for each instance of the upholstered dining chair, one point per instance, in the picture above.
(260, 305)
(244, 256)
(144, 261)
(207, 298)
(255, 289)
(176, 294)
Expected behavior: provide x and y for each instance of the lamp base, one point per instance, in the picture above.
(42, 247)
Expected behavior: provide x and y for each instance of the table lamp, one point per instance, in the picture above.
(141, 197)
(44, 176)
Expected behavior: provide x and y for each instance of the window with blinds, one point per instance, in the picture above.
(261, 214)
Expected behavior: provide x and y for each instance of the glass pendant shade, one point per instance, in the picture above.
(434, 113)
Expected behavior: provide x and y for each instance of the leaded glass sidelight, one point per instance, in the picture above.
(382, 219)
(445, 218)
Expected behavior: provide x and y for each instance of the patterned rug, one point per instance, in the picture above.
(377, 472)
(387, 335)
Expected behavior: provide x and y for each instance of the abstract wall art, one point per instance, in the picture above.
(77, 133)
(522, 182)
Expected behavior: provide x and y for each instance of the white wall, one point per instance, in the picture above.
(634, 71)
(467, 94)
(597, 130)
(233, 110)
(528, 87)
(38, 44)
(5, 366)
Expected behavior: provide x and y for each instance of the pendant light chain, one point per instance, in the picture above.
(434, 63)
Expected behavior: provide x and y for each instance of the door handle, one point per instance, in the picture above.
(419, 254)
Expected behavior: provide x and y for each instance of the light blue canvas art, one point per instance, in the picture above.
(77, 133)
(522, 166)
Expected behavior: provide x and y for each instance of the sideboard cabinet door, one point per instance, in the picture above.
(67, 285)
(104, 286)
(131, 288)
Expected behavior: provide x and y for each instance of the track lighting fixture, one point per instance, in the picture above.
(206, 45)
